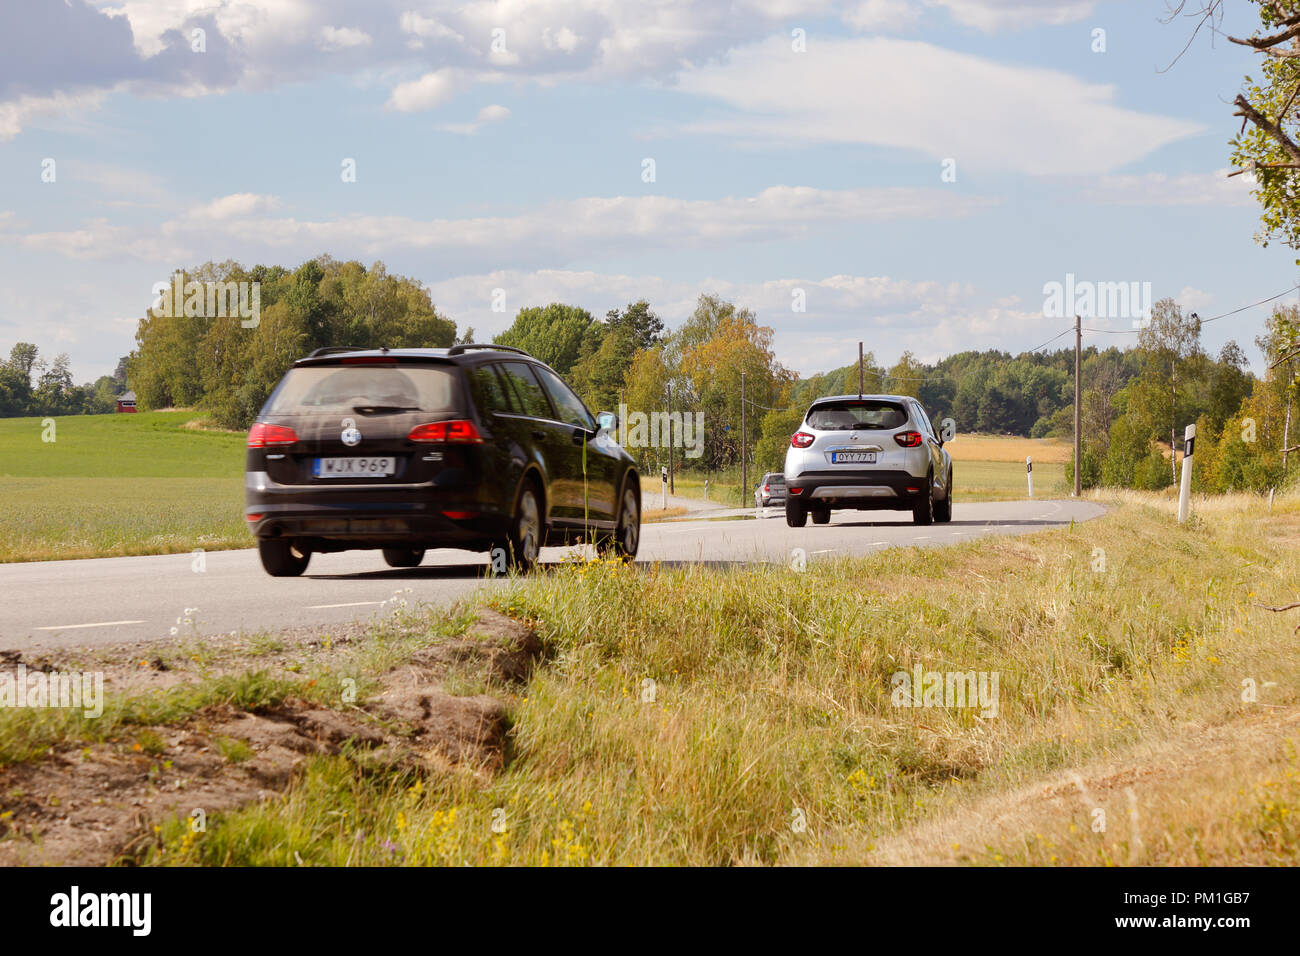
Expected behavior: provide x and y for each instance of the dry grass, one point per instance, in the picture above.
(661, 514)
(1046, 451)
(702, 716)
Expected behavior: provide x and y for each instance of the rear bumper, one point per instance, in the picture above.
(336, 519)
(873, 490)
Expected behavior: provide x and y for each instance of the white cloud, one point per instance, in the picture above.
(426, 28)
(562, 39)
(1178, 189)
(343, 38)
(259, 44)
(96, 239)
(881, 15)
(236, 206)
(429, 91)
(243, 225)
(1192, 299)
(19, 113)
(488, 114)
(995, 15)
(930, 100)
(931, 318)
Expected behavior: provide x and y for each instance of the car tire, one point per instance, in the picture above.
(923, 510)
(282, 558)
(821, 516)
(403, 557)
(627, 534)
(943, 509)
(524, 539)
(796, 515)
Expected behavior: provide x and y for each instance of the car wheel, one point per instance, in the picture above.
(796, 515)
(524, 542)
(403, 557)
(627, 535)
(943, 509)
(923, 510)
(822, 516)
(282, 558)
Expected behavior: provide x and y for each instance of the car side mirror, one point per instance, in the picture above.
(607, 421)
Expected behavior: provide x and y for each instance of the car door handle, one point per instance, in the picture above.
(538, 434)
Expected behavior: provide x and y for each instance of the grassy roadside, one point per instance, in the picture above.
(700, 716)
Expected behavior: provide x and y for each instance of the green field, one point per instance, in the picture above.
(111, 485)
(147, 445)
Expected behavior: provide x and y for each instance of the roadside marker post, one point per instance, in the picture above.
(663, 481)
(1029, 474)
(1185, 488)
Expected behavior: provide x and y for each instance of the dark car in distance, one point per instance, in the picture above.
(476, 447)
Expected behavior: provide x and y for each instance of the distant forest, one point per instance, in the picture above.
(1136, 400)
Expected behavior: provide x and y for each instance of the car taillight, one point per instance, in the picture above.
(458, 432)
(802, 439)
(796, 491)
(767, 489)
(368, 360)
(908, 439)
(262, 435)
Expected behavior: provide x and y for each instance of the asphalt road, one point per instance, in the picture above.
(108, 600)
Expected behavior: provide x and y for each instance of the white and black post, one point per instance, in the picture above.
(1029, 474)
(1185, 489)
(663, 479)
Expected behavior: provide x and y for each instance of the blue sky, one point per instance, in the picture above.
(520, 167)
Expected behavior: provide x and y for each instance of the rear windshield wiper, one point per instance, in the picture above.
(384, 409)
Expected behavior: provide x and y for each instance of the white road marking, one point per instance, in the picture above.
(73, 627)
(323, 607)
(826, 551)
(922, 537)
(874, 544)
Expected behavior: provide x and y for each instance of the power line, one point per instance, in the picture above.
(1064, 331)
(1213, 318)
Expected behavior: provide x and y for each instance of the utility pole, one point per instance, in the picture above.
(1078, 405)
(672, 484)
(744, 464)
(859, 370)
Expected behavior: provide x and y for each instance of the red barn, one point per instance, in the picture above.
(126, 402)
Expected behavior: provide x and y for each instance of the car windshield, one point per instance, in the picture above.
(364, 388)
(850, 414)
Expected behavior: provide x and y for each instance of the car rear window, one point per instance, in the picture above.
(850, 414)
(359, 387)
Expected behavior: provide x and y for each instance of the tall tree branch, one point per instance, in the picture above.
(1266, 125)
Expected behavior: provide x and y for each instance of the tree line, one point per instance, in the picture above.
(1135, 400)
(32, 385)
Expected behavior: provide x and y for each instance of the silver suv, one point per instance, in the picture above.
(867, 452)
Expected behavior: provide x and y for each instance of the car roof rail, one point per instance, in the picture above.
(466, 346)
(331, 349)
